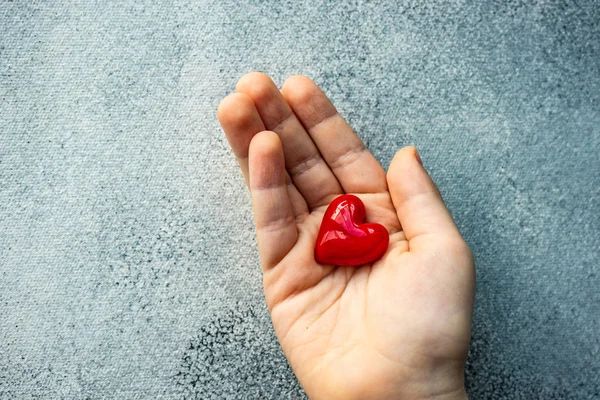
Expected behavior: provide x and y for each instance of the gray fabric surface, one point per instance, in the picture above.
(128, 266)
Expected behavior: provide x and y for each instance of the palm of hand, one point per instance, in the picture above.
(397, 327)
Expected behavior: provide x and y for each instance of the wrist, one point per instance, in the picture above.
(460, 394)
(444, 382)
(441, 388)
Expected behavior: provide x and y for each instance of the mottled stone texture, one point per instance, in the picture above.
(128, 266)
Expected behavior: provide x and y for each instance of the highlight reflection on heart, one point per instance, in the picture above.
(344, 240)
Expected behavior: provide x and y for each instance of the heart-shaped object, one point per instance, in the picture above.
(344, 240)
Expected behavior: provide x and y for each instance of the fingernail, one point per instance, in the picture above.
(418, 157)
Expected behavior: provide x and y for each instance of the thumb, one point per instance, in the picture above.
(419, 205)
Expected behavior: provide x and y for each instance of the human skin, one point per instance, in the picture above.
(398, 328)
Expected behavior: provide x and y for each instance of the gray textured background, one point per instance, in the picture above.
(128, 266)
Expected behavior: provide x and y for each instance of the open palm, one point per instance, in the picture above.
(397, 328)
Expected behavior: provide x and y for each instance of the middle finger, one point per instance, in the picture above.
(309, 172)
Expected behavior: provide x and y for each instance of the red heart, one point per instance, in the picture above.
(344, 240)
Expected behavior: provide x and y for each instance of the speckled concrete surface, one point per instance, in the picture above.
(128, 267)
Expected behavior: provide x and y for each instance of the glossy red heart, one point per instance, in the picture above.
(344, 240)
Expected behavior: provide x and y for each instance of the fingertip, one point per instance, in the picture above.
(266, 144)
(236, 111)
(267, 164)
(307, 100)
(407, 151)
(406, 160)
(257, 85)
(298, 87)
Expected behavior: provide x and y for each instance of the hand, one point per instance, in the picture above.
(395, 329)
